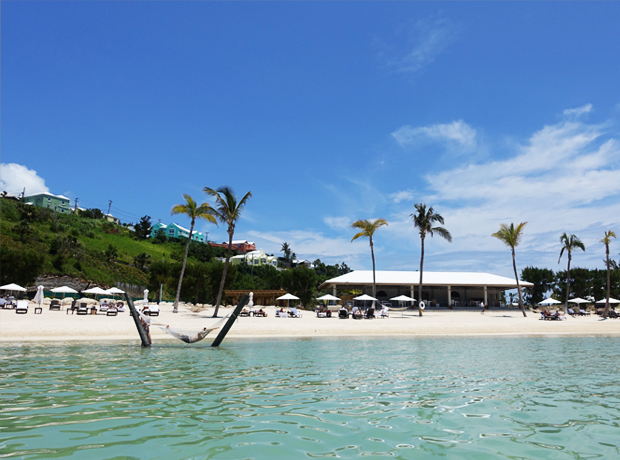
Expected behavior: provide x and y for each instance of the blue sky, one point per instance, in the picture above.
(328, 112)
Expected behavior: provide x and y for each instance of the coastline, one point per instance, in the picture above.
(57, 326)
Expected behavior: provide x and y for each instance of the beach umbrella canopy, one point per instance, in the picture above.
(12, 287)
(64, 290)
(578, 300)
(610, 301)
(364, 297)
(288, 297)
(327, 298)
(114, 290)
(96, 290)
(38, 298)
(403, 298)
(549, 301)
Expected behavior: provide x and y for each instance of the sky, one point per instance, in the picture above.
(328, 112)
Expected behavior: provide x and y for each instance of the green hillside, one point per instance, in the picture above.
(37, 241)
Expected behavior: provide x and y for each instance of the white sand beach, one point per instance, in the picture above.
(59, 326)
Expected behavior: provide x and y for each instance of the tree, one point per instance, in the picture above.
(511, 236)
(606, 240)
(142, 260)
(424, 220)
(569, 243)
(142, 230)
(228, 211)
(543, 280)
(302, 282)
(289, 255)
(192, 210)
(111, 254)
(368, 229)
(26, 265)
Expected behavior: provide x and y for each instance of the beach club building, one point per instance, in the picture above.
(442, 289)
(176, 231)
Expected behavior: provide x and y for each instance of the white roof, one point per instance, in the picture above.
(47, 194)
(239, 242)
(429, 279)
(180, 228)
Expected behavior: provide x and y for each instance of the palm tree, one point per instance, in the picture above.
(227, 211)
(424, 220)
(193, 211)
(368, 229)
(606, 240)
(569, 243)
(511, 236)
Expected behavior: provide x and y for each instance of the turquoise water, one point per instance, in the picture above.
(465, 398)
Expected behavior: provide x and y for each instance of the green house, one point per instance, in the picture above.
(58, 203)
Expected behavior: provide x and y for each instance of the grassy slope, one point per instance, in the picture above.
(93, 235)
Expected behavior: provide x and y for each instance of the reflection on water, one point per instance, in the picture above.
(405, 398)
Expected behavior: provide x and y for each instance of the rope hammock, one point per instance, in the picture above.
(185, 336)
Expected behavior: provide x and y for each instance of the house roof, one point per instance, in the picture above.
(239, 242)
(62, 197)
(429, 279)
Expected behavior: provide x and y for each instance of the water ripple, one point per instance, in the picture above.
(255, 399)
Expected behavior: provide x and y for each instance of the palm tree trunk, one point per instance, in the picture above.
(567, 286)
(374, 283)
(219, 294)
(421, 273)
(189, 239)
(514, 265)
(606, 311)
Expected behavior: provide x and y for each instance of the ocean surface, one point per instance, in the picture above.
(456, 398)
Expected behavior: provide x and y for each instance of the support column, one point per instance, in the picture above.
(486, 302)
(450, 296)
(412, 289)
(334, 290)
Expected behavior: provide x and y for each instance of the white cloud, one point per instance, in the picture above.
(16, 177)
(456, 134)
(426, 40)
(405, 195)
(310, 245)
(337, 223)
(577, 112)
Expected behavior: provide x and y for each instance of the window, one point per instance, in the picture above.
(171, 232)
(49, 199)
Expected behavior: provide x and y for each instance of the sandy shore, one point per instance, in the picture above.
(58, 326)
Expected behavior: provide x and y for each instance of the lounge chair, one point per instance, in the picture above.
(582, 312)
(82, 309)
(22, 307)
(370, 313)
(282, 314)
(120, 307)
(384, 312)
(153, 310)
(294, 313)
(244, 312)
(111, 311)
(55, 305)
(343, 313)
(571, 312)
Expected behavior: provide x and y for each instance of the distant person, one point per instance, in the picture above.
(482, 305)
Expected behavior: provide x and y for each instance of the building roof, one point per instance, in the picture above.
(61, 197)
(429, 279)
(239, 242)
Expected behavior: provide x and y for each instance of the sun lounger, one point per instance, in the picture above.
(22, 307)
(370, 313)
(384, 312)
(111, 311)
(343, 313)
(244, 312)
(153, 310)
(282, 314)
(82, 309)
(294, 313)
(55, 305)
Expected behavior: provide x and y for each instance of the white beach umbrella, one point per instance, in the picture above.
(12, 287)
(327, 298)
(38, 298)
(96, 290)
(365, 297)
(578, 300)
(549, 301)
(610, 301)
(288, 297)
(113, 291)
(64, 290)
(403, 298)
